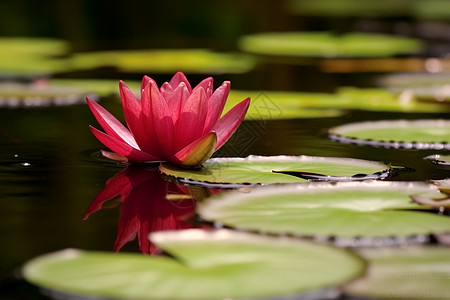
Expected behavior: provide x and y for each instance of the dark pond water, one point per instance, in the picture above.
(50, 171)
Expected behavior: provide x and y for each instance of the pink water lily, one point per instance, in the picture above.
(174, 123)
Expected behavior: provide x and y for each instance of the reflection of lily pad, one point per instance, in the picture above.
(275, 169)
(417, 134)
(282, 105)
(345, 209)
(404, 273)
(99, 87)
(325, 44)
(165, 61)
(31, 56)
(210, 265)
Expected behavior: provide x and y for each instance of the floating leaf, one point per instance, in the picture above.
(440, 160)
(404, 273)
(416, 134)
(209, 265)
(31, 56)
(345, 209)
(282, 105)
(424, 86)
(165, 61)
(326, 44)
(41, 93)
(276, 169)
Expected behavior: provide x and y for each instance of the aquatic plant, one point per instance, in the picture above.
(174, 123)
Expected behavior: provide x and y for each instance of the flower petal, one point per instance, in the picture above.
(147, 137)
(215, 106)
(145, 81)
(179, 78)
(110, 124)
(122, 148)
(177, 100)
(197, 152)
(189, 126)
(228, 124)
(207, 85)
(131, 109)
(114, 156)
(163, 126)
(166, 90)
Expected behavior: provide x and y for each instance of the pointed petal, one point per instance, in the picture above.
(122, 148)
(145, 81)
(147, 137)
(196, 153)
(228, 124)
(162, 121)
(166, 90)
(110, 124)
(131, 109)
(179, 78)
(191, 121)
(177, 100)
(215, 106)
(126, 231)
(207, 85)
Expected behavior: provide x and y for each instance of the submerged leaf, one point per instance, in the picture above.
(209, 265)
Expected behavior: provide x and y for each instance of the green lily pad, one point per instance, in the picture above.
(326, 44)
(209, 265)
(416, 134)
(404, 273)
(99, 87)
(343, 210)
(31, 56)
(165, 61)
(283, 105)
(276, 169)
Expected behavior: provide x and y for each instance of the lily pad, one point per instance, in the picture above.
(416, 134)
(208, 265)
(41, 93)
(342, 210)
(440, 160)
(277, 169)
(165, 61)
(404, 273)
(423, 86)
(282, 105)
(326, 44)
(31, 56)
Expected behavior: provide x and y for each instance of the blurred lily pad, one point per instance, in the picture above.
(277, 169)
(204, 265)
(326, 44)
(424, 86)
(440, 160)
(41, 93)
(373, 209)
(31, 56)
(406, 273)
(416, 134)
(165, 61)
(282, 105)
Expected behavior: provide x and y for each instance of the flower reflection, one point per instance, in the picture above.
(145, 205)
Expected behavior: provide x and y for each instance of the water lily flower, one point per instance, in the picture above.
(174, 123)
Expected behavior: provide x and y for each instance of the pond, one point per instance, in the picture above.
(59, 192)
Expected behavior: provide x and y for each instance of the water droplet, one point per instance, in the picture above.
(25, 164)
